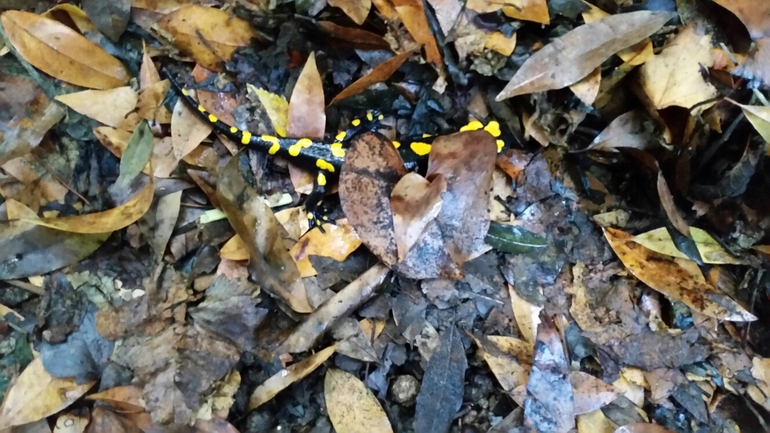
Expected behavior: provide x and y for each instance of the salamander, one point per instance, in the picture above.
(320, 157)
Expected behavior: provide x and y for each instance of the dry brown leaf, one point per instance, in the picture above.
(148, 73)
(671, 278)
(149, 107)
(753, 14)
(527, 315)
(279, 381)
(105, 221)
(673, 77)
(711, 251)
(357, 10)
(351, 406)
(61, 52)
(109, 107)
(583, 50)
(634, 55)
(210, 35)
(413, 16)
(307, 111)
(163, 160)
(415, 202)
(629, 130)
(36, 395)
(591, 393)
(594, 422)
(357, 37)
(497, 41)
(380, 73)
(187, 130)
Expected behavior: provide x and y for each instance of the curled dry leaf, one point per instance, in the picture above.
(36, 395)
(672, 279)
(61, 52)
(759, 116)
(352, 407)
(210, 35)
(105, 221)
(629, 130)
(279, 381)
(571, 57)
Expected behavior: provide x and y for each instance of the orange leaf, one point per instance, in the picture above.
(380, 73)
(337, 243)
(61, 52)
(413, 16)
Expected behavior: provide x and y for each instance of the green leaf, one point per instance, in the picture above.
(513, 239)
(138, 151)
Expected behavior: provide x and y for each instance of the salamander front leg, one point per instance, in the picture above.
(314, 200)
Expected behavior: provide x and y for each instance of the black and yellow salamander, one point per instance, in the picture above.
(323, 158)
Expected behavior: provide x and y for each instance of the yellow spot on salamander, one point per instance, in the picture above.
(421, 149)
(233, 129)
(245, 137)
(185, 92)
(201, 109)
(296, 148)
(321, 179)
(380, 117)
(213, 118)
(500, 145)
(356, 122)
(425, 135)
(323, 165)
(341, 136)
(369, 117)
(493, 128)
(396, 144)
(472, 126)
(275, 146)
(337, 150)
(310, 216)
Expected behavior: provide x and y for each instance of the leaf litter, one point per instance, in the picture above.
(598, 274)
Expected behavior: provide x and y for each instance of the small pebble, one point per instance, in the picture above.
(405, 389)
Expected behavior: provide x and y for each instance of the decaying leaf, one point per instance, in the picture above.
(352, 407)
(510, 359)
(568, 59)
(382, 72)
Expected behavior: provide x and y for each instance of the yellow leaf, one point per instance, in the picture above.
(510, 359)
(234, 249)
(107, 106)
(210, 35)
(357, 10)
(659, 240)
(36, 395)
(277, 108)
(61, 52)
(106, 221)
(673, 77)
(759, 116)
(339, 241)
(351, 406)
(676, 278)
(287, 376)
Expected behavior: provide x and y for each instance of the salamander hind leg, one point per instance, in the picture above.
(316, 214)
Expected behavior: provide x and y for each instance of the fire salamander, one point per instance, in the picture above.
(323, 158)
